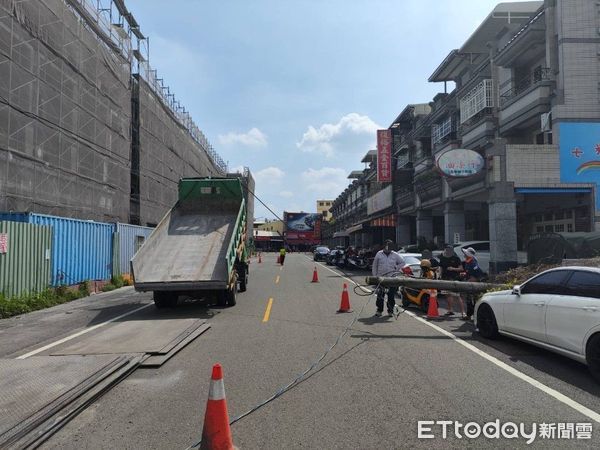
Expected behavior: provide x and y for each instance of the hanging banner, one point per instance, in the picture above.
(384, 156)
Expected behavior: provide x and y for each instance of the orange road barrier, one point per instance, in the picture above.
(315, 276)
(216, 433)
(345, 304)
(432, 310)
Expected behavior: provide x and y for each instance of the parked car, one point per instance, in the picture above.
(558, 310)
(321, 253)
(412, 264)
(483, 252)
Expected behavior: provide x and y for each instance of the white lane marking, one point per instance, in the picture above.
(542, 387)
(79, 333)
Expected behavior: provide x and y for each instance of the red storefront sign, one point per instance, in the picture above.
(384, 156)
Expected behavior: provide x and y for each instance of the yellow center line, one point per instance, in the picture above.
(268, 310)
(277, 280)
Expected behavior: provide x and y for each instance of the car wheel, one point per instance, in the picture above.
(165, 299)
(486, 322)
(592, 355)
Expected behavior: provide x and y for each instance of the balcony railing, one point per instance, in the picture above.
(441, 132)
(539, 75)
(476, 100)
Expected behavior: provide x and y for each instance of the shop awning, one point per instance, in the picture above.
(385, 221)
(355, 228)
(553, 190)
(339, 234)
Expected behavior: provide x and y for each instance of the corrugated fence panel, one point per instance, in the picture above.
(82, 250)
(25, 267)
(131, 238)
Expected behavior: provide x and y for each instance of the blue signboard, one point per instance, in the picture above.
(580, 154)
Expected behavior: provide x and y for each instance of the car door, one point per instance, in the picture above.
(569, 317)
(525, 313)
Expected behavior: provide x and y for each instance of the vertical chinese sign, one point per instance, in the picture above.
(384, 156)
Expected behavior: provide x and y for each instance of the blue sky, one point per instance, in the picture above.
(296, 89)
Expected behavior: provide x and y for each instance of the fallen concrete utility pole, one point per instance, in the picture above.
(424, 283)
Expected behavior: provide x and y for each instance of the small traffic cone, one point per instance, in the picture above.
(345, 304)
(260, 258)
(315, 276)
(216, 433)
(432, 309)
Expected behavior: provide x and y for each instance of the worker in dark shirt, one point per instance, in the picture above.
(451, 267)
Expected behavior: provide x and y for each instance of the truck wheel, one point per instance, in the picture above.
(230, 296)
(243, 277)
(165, 299)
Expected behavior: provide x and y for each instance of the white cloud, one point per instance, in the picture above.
(253, 138)
(328, 136)
(325, 183)
(268, 175)
(286, 194)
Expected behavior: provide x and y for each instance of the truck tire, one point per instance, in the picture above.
(243, 277)
(230, 296)
(165, 299)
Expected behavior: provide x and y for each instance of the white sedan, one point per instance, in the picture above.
(559, 310)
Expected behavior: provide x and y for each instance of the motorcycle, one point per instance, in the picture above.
(336, 257)
(358, 262)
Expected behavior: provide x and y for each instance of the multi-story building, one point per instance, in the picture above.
(323, 207)
(526, 99)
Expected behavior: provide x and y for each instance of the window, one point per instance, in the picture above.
(539, 229)
(584, 284)
(549, 228)
(548, 216)
(559, 228)
(139, 241)
(569, 214)
(481, 247)
(547, 283)
(569, 228)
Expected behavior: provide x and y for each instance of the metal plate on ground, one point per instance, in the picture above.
(159, 360)
(133, 336)
(34, 390)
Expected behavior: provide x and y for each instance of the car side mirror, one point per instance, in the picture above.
(516, 290)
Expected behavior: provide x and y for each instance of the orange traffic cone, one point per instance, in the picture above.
(315, 276)
(260, 258)
(345, 304)
(432, 309)
(216, 433)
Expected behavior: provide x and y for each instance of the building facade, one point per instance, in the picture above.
(323, 207)
(526, 98)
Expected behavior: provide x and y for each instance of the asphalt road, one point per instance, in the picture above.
(369, 392)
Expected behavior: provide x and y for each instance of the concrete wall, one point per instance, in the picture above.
(532, 164)
(577, 24)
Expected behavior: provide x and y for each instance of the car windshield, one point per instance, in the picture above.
(410, 260)
(322, 249)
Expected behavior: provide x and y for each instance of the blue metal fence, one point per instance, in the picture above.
(82, 250)
(130, 238)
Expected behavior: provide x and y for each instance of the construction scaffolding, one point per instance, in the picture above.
(80, 136)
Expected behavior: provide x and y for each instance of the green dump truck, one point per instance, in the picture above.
(199, 248)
